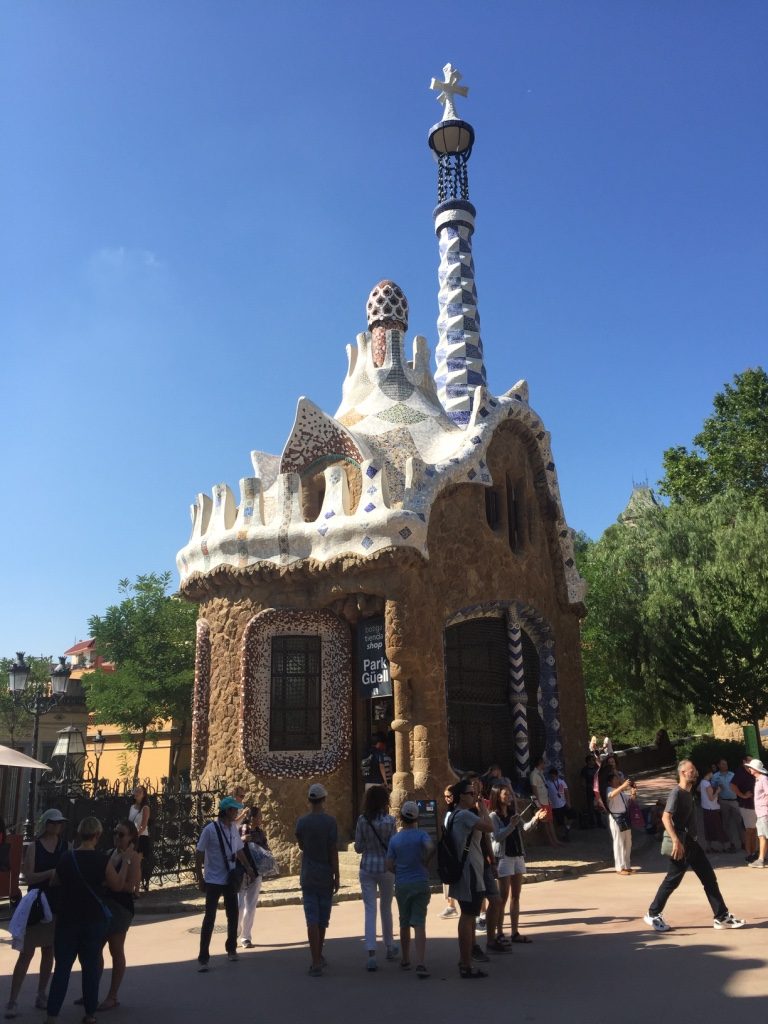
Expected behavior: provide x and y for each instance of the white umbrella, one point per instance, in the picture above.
(15, 759)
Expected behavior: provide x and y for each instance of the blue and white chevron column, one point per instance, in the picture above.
(518, 697)
(459, 353)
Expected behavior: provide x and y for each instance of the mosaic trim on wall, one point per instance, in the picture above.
(201, 697)
(336, 693)
(540, 632)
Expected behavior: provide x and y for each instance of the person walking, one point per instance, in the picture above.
(40, 860)
(615, 799)
(82, 917)
(252, 835)
(219, 850)
(756, 768)
(407, 856)
(317, 836)
(373, 831)
(680, 844)
(508, 848)
(465, 825)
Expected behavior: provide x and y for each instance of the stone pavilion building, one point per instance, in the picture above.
(404, 565)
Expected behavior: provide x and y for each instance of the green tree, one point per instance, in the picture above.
(730, 452)
(707, 606)
(150, 638)
(15, 722)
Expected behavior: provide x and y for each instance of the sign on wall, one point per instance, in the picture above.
(372, 662)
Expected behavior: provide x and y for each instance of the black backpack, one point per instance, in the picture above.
(450, 867)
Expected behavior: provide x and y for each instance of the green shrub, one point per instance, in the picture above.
(707, 751)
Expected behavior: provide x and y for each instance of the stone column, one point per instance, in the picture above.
(397, 652)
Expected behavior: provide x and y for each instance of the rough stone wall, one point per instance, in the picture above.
(469, 564)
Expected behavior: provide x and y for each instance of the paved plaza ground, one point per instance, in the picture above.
(592, 960)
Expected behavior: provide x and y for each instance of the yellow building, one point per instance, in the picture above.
(166, 755)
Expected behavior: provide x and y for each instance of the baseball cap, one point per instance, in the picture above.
(317, 792)
(757, 766)
(229, 802)
(409, 811)
(53, 814)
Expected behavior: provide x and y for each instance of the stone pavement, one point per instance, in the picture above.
(592, 961)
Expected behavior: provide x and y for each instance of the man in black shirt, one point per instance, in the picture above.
(684, 851)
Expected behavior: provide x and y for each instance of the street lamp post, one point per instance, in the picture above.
(35, 703)
(98, 749)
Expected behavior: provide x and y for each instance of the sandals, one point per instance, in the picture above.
(517, 937)
(421, 971)
(471, 972)
(498, 947)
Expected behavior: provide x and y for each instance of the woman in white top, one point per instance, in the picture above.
(374, 828)
(615, 799)
(710, 806)
(138, 816)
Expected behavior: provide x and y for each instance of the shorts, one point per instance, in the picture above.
(412, 902)
(491, 883)
(748, 817)
(317, 906)
(472, 906)
(511, 866)
(762, 827)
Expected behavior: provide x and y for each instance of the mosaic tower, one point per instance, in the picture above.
(459, 354)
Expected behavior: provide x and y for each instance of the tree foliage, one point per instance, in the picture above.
(14, 720)
(150, 638)
(707, 609)
(730, 452)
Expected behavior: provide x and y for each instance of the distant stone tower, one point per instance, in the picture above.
(460, 366)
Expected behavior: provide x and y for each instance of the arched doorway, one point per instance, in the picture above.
(480, 728)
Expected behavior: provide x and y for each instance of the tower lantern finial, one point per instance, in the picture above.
(459, 353)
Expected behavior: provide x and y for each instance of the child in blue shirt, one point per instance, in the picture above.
(407, 854)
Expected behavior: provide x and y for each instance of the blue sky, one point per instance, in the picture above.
(198, 196)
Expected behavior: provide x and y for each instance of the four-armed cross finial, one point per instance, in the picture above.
(448, 89)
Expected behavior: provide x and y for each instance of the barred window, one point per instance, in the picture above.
(294, 722)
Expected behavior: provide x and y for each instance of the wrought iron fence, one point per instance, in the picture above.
(178, 810)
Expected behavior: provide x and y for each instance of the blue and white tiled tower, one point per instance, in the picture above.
(459, 354)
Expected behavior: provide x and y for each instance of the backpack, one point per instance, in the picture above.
(450, 867)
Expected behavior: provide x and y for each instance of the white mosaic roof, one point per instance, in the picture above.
(390, 425)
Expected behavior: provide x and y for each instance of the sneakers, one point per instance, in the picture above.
(246, 944)
(479, 956)
(41, 1002)
(657, 922)
(315, 972)
(232, 957)
(481, 922)
(449, 911)
(371, 964)
(729, 922)
(202, 966)
(757, 863)
(751, 857)
(393, 951)
(11, 1011)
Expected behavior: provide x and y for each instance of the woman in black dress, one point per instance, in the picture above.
(121, 906)
(82, 916)
(40, 860)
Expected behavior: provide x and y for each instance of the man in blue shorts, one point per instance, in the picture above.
(407, 854)
(317, 836)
